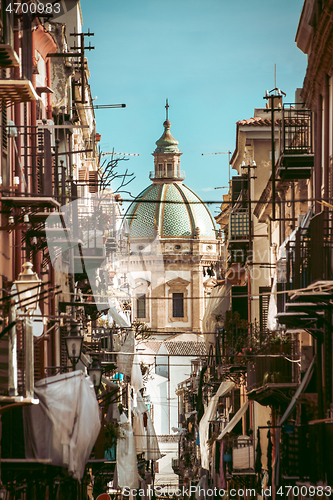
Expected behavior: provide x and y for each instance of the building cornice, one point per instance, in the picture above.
(320, 56)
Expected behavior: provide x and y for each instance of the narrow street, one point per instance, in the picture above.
(166, 311)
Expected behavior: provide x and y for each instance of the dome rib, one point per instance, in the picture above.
(162, 205)
(202, 205)
(188, 208)
(158, 207)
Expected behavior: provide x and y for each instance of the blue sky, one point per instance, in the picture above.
(213, 60)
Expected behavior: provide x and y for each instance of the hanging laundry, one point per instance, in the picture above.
(258, 464)
(269, 457)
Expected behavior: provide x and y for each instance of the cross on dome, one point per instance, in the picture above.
(167, 110)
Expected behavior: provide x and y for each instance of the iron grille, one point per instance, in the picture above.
(239, 225)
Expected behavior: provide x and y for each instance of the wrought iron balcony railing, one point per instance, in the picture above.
(309, 257)
(296, 146)
(179, 175)
(269, 370)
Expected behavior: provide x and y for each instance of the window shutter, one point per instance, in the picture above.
(93, 181)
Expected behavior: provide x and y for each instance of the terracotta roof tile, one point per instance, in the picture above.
(258, 121)
(186, 348)
(153, 346)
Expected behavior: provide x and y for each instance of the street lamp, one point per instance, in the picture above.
(74, 344)
(28, 286)
(95, 373)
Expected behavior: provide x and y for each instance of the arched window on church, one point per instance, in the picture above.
(169, 170)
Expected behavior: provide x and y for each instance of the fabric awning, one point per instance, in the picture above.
(235, 419)
(302, 386)
(217, 305)
(225, 388)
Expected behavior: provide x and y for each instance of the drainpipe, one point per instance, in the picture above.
(273, 156)
(318, 154)
(48, 83)
(169, 395)
(12, 350)
(283, 216)
(326, 136)
(16, 159)
(33, 130)
(292, 212)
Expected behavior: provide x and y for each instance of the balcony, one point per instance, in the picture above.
(17, 91)
(179, 175)
(93, 258)
(310, 255)
(270, 380)
(296, 155)
(8, 56)
(242, 455)
(103, 339)
(306, 451)
(295, 451)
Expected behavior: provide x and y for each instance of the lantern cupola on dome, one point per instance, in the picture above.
(168, 206)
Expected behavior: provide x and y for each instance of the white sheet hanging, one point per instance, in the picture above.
(139, 432)
(127, 471)
(152, 448)
(136, 374)
(66, 423)
(125, 361)
(209, 414)
(217, 305)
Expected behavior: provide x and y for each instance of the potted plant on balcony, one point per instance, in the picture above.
(112, 432)
(279, 343)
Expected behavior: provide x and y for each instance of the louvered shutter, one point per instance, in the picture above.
(93, 181)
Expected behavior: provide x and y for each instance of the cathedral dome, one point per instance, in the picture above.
(167, 206)
(172, 209)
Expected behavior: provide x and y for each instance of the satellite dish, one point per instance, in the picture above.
(37, 323)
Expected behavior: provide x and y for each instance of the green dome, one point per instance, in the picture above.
(178, 217)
